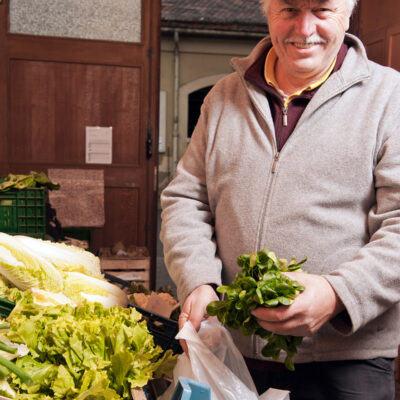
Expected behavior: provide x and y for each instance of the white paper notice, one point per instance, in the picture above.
(98, 145)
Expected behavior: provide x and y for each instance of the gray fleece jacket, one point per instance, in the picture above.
(332, 194)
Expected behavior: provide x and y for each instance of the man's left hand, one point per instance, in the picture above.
(316, 305)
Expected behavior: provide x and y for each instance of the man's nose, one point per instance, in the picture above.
(305, 23)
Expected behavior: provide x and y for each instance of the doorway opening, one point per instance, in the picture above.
(195, 100)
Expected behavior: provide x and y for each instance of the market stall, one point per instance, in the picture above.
(66, 330)
(75, 325)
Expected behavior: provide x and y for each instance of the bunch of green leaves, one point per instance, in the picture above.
(84, 352)
(138, 288)
(261, 283)
(33, 179)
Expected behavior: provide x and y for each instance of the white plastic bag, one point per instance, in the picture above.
(215, 361)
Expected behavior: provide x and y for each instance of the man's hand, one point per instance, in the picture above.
(194, 308)
(309, 311)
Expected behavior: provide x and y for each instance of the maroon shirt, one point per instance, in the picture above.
(255, 75)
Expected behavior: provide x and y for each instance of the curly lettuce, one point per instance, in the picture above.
(78, 352)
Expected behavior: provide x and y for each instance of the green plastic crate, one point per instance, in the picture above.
(23, 212)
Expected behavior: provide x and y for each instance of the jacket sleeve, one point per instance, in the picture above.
(368, 285)
(187, 227)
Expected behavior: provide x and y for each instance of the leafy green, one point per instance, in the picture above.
(9, 292)
(63, 257)
(24, 268)
(34, 179)
(261, 283)
(84, 351)
(78, 287)
(54, 273)
(5, 389)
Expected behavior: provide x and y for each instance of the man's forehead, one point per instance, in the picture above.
(308, 3)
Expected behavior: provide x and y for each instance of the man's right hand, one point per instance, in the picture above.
(194, 309)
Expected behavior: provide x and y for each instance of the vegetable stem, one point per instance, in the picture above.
(25, 378)
(5, 347)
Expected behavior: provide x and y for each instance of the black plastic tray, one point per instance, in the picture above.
(163, 329)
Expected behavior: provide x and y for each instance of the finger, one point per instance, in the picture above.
(276, 314)
(183, 317)
(211, 317)
(196, 316)
(285, 329)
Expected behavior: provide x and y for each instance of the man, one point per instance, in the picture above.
(298, 151)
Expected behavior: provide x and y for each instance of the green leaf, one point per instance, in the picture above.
(271, 303)
(289, 364)
(63, 384)
(253, 259)
(285, 300)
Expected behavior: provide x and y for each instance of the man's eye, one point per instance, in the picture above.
(289, 11)
(321, 10)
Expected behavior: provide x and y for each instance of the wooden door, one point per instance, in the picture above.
(379, 29)
(51, 88)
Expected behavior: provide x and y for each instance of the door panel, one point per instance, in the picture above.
(51, 88)
(121, 225)
(375, 44)
(379, 27)
(59, 99)
(393, 39)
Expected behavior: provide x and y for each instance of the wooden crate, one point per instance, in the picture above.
(129, 269)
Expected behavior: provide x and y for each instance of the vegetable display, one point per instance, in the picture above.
(63, 257)
(82, 352)
(260, 283)
(80, 340)
(54, 273)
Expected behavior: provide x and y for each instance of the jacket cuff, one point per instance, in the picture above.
(342, 323)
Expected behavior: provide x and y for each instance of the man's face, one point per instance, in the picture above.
(307, 34)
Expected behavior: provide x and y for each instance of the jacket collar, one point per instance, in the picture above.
(354, 69)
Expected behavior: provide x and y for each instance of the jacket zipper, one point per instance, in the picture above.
(276, 157)
(284, 115)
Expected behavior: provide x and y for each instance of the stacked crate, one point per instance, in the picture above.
(23, 212)
(130, 268)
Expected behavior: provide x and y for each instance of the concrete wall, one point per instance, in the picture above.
(89, 19)
(202, 61)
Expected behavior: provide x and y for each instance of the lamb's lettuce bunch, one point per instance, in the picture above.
(261, 283)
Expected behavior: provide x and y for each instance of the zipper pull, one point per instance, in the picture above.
(276, 156)
(284, 116)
